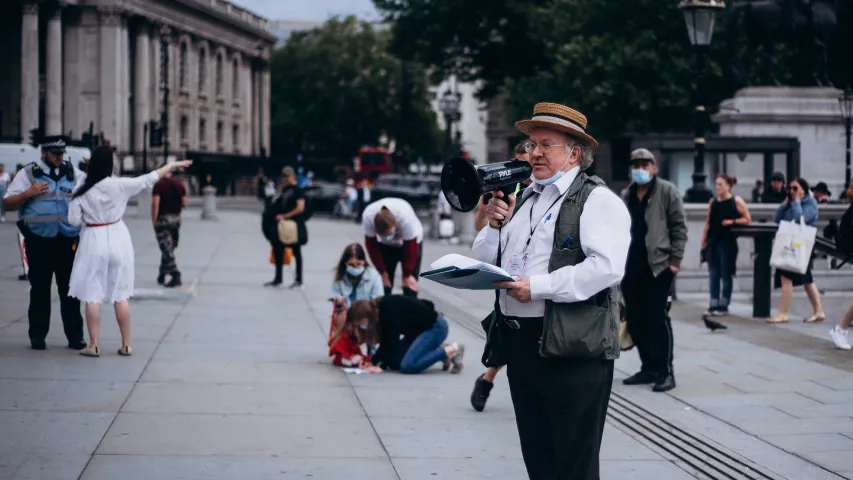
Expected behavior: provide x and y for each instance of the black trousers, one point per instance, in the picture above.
(48, 257)
(391, 257)
(278, 254)
(560, 407)
(645, 299)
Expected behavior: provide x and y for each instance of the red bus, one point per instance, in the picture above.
(372, 161)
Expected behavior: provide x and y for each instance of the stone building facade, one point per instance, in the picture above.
(69, 63)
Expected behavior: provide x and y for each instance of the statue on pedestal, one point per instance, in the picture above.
(805, 24)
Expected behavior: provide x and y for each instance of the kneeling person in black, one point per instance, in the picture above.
(409, 332)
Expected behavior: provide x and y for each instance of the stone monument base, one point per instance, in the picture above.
(810, 114)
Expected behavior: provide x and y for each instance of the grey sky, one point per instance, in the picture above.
(309, 10)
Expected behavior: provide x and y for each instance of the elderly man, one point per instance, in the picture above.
(41, 192)
(555, 326)
(658, 237)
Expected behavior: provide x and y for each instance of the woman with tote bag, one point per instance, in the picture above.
(799, 206)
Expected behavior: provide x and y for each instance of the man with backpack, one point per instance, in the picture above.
(290, 204)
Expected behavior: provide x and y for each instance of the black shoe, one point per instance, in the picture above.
(641, 378)
(273, 283)
(296, 286)
(78, 345)
(38, 344)
(713, 324)
(161, 279)
(174, 282)
(480, 394)
(664, 384)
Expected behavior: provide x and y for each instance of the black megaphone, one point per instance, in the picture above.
(463, 182)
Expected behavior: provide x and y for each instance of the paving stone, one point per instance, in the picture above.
(243, 372)
(798, 426)
(294, 436)
(748, 400)
(741, 414)
(243, 399)
(230, 467)
(428, 403)
(63, 395)
(818, 411)
(817, 442)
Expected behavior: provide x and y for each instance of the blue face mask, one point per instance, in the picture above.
(354, 271)
(640, 176)
(553, 178)
(388, 237)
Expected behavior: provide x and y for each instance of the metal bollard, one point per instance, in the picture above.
(208, 207)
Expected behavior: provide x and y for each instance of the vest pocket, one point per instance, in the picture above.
(561, 257)
(581, 329)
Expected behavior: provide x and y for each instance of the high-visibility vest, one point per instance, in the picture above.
(47, 214)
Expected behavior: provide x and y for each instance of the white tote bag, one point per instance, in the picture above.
(792, 247)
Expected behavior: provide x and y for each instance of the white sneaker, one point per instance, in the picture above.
(839, 337)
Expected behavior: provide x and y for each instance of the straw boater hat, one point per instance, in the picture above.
(557, 117)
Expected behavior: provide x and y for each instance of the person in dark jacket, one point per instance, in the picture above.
(658, 238)
(776, 192)
(408, 331)
(289, 204)
(798, 204)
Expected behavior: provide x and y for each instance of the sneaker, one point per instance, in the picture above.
(161, 279)
(480, 394)
(456, 363)
(839, 337)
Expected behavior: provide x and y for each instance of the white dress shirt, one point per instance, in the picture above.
(605, 235)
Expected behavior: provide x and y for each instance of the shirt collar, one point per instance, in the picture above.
(563, 183)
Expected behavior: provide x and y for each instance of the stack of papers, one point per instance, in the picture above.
(464, 273)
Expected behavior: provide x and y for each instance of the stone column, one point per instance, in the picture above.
(256, 112)
(73, 118)
(110, 77)
(155, 97)
(29, 69)
(141, 87)
(53, 71)
(265, 109)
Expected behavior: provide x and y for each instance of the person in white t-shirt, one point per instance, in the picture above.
(393, 234)
(5, 179)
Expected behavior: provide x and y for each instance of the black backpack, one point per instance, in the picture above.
(844, 237)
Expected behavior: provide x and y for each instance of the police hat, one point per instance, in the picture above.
(53, 144)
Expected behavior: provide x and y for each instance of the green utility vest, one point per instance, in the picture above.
(588, 329)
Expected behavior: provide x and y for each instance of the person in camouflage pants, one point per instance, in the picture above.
(168, 199)
(167, 230)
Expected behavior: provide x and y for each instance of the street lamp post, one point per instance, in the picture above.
(846, 102)
(449, 106)
(700, 15)
(165, 41)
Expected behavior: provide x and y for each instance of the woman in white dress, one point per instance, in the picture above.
(103, 267)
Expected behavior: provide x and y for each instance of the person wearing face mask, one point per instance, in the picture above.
(658, 238)
(393, 234)
(555, 327)
(354, 280)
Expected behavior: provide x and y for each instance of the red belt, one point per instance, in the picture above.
(90, 225)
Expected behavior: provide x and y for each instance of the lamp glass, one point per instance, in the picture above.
(846, 103)
(700, 24)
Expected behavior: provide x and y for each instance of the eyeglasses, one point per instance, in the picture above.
(545, 147)
(793, 188)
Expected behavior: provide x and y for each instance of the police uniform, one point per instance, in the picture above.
(51, 243)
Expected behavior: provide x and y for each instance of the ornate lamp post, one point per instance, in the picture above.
(700, 16)
(846, 102)
(449, 107)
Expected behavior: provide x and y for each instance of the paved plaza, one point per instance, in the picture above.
(230, 380)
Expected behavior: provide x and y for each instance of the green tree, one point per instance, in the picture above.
(336, 88)
(628, 65)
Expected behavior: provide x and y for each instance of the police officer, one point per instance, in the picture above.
(41, 192)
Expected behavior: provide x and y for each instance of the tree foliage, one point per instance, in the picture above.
(628, 65)
(336, 88)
